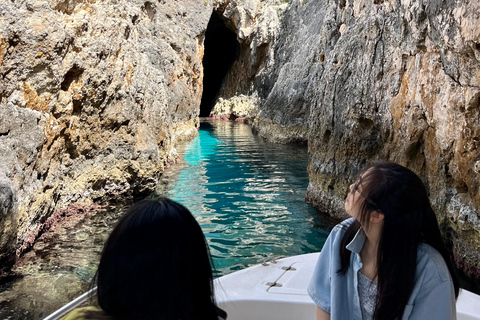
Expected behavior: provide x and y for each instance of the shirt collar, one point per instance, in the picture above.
(356, 244)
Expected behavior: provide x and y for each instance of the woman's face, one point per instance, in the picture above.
(354, 200)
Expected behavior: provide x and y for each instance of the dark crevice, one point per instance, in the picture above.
(326, 136)
(135, 19)
(260, 59)
(365, 123)
(14, 41)
(221, 50)
(8, 281)
(72, 75)
(70, 146)
(115, 126)
(77, 107)
(66, 6)
(461, 186)
(127, 32)
(43, 176)
(149, 9)
(414, 150)
(2, 134)
(99, 184)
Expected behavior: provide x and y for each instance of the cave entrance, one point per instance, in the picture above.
(221, 50)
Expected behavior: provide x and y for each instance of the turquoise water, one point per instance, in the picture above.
(247, 194)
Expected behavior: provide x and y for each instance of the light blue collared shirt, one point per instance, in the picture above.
(433, 295)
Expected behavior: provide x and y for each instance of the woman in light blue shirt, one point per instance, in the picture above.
(388, 261)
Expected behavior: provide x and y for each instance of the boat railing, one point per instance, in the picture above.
(266, 261)
(71, 305)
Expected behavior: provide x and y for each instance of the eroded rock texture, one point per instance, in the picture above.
(94, 96)
(364, 80)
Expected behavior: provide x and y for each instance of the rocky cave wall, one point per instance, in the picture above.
(94, 96)
(362, 80)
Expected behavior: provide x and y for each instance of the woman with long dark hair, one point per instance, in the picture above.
(389, 260)
(155, 265)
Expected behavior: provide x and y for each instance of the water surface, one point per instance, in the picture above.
(247, 194)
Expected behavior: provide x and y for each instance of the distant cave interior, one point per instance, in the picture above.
(221, 50)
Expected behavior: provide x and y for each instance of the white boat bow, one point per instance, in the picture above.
(278, 290)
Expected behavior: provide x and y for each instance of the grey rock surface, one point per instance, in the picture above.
(94, 96)
(372, 80)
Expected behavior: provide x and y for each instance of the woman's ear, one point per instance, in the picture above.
(376, 217)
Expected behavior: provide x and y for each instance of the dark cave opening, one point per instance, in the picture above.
(221, 50)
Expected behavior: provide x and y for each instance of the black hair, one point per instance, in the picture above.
(409, 220)
(156, 265)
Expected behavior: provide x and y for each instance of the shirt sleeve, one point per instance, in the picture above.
(83, 313)
(438, 303)
(319, 287)
(74, 315)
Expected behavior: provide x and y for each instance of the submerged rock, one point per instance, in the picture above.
(8, 222)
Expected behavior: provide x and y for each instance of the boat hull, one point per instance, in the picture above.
(277, 290)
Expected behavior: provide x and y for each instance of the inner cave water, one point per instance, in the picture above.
(248, 195)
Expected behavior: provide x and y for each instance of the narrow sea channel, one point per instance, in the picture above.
(247, 194)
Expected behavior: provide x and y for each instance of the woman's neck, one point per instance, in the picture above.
(369, 251)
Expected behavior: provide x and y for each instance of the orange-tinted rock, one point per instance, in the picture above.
(94, 96)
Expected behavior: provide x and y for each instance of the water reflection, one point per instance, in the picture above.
(58, 268)
(247, 194)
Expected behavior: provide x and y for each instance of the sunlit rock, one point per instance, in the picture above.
(94, 96)
(366, 80)
(238, 108)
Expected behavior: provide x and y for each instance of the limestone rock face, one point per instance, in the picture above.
(258, 25)
(94, 96)
(364, 80)
(239, 108)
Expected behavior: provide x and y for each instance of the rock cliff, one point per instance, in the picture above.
(370, 79)
(94, 96)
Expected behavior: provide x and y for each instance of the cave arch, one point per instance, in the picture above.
(221, 50)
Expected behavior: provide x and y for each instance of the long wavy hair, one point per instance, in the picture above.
(409, 220)
(156, 265)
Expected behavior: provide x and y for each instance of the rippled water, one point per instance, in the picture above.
(58, 268)
(247, 195)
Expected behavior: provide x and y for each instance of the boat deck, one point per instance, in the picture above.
(278, 290)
